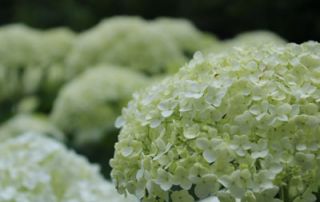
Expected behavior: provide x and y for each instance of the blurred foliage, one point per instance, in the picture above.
(295, 20)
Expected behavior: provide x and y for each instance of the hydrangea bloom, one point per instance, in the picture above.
(36, 168)
(187, 37)
(84, 104)
(23, 123)
(239, 125)
(125, 41)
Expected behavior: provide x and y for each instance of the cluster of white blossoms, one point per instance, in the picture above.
(240, 125)
(132, 42)
(87, 106)
(31, 60)
(34, 168)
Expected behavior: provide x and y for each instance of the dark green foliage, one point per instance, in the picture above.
(295, 20)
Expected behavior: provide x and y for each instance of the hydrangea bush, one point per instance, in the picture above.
(240, 125)
(85, 104)
(35, 168)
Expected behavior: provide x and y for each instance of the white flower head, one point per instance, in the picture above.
(243, 126)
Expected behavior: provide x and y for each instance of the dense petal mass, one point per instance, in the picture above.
(245, 121)
(36, 168)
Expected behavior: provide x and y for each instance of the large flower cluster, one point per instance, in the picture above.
(35, 168)
(88, 105)
(132, 42)
(240, 125)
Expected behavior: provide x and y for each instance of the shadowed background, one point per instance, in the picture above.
(295, 20)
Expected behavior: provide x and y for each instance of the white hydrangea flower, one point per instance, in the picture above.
(128, 42)
(34, 168)
(22, 123)
(245, 121)
(84, 104)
